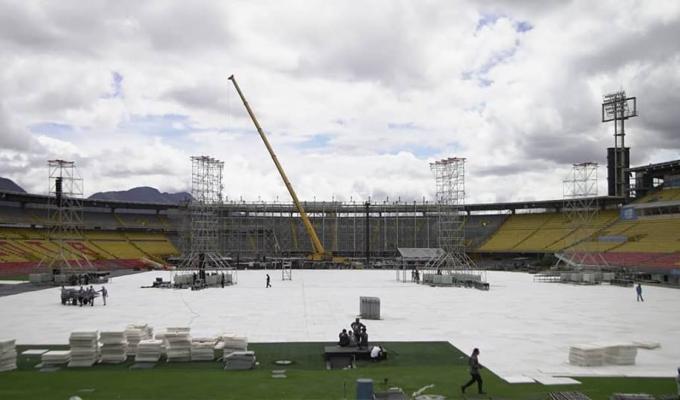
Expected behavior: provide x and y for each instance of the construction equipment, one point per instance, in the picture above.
(319, 253)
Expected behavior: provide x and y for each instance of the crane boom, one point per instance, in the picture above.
(319, 251)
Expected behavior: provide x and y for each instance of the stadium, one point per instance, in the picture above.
(383, 221)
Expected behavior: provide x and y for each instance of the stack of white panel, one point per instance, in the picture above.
(178, 344)
(239, 360)
(183, 279)
(620, 354)
(84, 348)
(233, 344)
(148, 350)
(135, 334)
(586, 355)
(8, 355)
(203, 349)
(56, 357)
(114, 347)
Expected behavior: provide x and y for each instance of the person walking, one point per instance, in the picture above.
(268, 281)
(105, 293)
(474, 372)
(638, 289)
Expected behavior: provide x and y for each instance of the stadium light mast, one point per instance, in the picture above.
(618, 108)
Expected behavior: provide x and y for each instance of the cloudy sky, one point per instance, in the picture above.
(357, 97)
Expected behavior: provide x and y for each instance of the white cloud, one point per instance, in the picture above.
(356, 98)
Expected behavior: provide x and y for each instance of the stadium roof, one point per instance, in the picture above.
(26, 198)
(602, 201)
(663, 167)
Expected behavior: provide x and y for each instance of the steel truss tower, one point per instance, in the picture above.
(618, 108)
(65, 218)
(580, 205)
(206, 191)
(449, 177)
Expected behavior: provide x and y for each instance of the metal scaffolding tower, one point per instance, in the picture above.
(580, 205)
(450, 191)
(64, 218)
(618, 108)
(206, 191)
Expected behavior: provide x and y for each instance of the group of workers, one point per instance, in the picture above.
(82, 296)
(356, 336)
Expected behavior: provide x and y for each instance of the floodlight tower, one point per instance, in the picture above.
(618, 108)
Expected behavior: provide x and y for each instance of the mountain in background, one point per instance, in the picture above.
(143, 194)
(8, 185)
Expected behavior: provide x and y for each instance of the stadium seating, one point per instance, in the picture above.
(669, 194)
(22, 248)
(542, 232)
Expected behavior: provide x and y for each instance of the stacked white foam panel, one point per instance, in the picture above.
(233, 344)
(620, 354)
(114, 347)
(148, 350)
(8, 355)
(178, 344)
(183, 279)
(56, 357)
(84, 348)
(586, 355)
(203, 349)
(135, 334)
(239, 360)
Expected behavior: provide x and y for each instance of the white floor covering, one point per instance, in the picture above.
(522, 328)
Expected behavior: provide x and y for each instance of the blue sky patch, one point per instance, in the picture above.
(318, 141)
(51, 128)
(116, 86)
(158, 125)
(523, 26)
(487, 19)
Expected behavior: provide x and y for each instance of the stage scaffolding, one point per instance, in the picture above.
(65, 219)
(580, 190)
(452, 266)
(260, 231)
(203, 252)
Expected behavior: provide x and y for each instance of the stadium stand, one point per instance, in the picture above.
(541, 232)
(668, 194)
(110, 239)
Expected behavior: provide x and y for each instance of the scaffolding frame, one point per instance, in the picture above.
(579, 191)
(65, 218)
(204, 252)
(449, 177)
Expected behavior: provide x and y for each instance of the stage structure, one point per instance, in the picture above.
(203, 256)
(579, 191)
(618, 108)
(452, 266)
(65, 219)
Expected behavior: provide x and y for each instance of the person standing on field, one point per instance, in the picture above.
(474, 372)
(638, 290)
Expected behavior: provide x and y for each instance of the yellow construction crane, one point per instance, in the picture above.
(319, 253)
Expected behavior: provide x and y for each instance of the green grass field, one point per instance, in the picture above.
(409, 366)
(20, 277)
